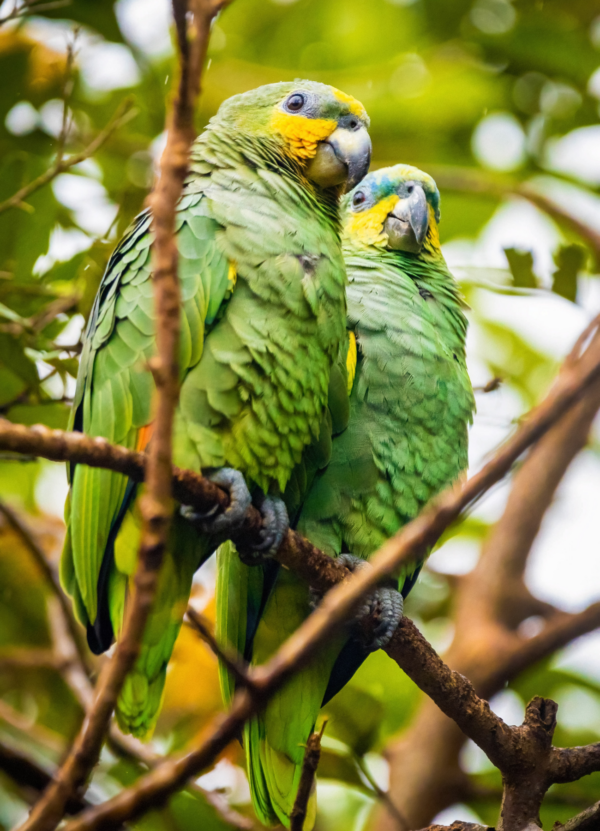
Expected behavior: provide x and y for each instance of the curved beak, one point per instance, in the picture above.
(406, 226)
(343, 159)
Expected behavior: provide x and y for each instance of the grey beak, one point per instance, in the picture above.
(353, 148)
(343, 159)
(406, 226)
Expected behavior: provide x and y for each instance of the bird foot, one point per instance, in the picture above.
(218, 523)
(274, 528)
(385, 604)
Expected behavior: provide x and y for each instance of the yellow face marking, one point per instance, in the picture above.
(432, 240)
(302, 134)
(367, 226)
(351, 360)
(356, 108)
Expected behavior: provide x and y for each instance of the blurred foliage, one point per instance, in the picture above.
(432, 74)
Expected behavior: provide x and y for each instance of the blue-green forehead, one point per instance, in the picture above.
(386, 181)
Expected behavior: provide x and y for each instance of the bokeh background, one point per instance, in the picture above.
(484, 94)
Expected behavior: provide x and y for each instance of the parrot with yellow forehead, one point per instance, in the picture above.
(263, 313)
(403, 440)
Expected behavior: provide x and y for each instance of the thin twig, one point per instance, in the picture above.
(30, 6)
(123, 114)
(20, 526)
(306, 787)
(382, 795)
(238, 669)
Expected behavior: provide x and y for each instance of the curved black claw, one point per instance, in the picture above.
(274, 528)
(223, 524)
(384, 603)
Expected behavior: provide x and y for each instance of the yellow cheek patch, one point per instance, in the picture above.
(302, 134)
(355, 107)
(367, 226)
(351, 360)
(432, 240)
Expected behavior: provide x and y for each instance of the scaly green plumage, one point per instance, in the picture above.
(263, 310)
(410, 405)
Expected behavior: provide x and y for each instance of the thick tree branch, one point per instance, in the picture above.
(490, 603)
(453, 694)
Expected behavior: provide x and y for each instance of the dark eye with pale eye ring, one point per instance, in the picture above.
(295, 102)
(358, 199)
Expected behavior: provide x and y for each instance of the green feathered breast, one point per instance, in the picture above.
(262, 319)
(406, 439)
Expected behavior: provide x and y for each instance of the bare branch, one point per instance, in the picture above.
(28, 774)
(27, 536)
(123, 114)
(312, 757)
(155, 504)
(234, 664)
(588, 820)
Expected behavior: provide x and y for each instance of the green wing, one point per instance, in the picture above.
(113, 400)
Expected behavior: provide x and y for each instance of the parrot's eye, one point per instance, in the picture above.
(354, 124)
(358, 199)
(295, 102)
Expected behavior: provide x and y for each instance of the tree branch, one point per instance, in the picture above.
(588, 820)
(29, 775)
(453, 694)
(193, 29)
(489, 605)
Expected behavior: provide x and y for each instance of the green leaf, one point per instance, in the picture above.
(521, 268)
(570, 260)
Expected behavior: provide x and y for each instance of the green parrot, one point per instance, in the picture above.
(262, 319)
(403, 440)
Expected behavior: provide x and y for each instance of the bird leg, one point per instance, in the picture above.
(274, 528)
(223, 525)
(218, 523)
(384, 603)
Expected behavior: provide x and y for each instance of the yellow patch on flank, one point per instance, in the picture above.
(351, 360)
(303, 134)
(367, 226)
(232, 275)
(356, 108)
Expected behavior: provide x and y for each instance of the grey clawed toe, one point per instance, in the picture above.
(218, 523)
(274, 529)
(384, 603)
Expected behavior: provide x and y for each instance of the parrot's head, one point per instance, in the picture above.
(317, 127)
(396, 208)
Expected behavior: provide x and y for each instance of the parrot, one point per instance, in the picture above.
(399, 437)
(263, 313)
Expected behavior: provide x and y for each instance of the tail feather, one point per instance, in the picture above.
(140, 700)
(275, 740)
